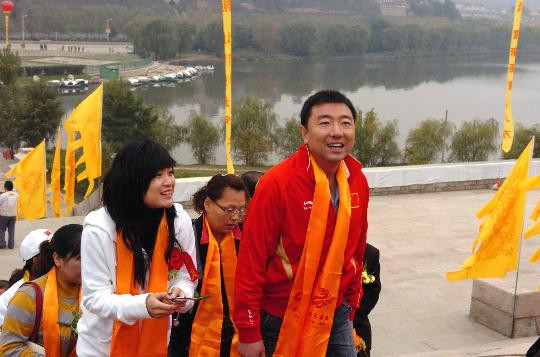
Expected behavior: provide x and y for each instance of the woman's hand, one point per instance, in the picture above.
(177, 292)
(157, 307)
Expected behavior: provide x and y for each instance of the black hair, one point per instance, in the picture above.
(8, 185)
(250, 179)
(4, 284)
(124, 187)
(215, 187)
(323, 97)
(15, 276)
(66, 242)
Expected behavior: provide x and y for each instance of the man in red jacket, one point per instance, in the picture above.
(298, 277)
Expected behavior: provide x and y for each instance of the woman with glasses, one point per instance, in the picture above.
(207, 329)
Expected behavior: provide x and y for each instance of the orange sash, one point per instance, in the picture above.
(310, 311)
(150, 340)
(206, 328)
(51, 329)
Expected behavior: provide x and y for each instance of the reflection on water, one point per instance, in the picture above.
(409, 90)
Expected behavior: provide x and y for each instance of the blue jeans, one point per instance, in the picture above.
(341, 343)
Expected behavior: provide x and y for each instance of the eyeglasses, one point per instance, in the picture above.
(241, 212)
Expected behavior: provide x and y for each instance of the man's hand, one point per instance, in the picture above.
(156, 307)
(255, 349)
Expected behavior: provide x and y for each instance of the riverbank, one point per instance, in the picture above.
(256, 56)
(181, 171)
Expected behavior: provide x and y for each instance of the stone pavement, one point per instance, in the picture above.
(421, 237)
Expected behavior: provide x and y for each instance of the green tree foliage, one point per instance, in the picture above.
(288, 137)
(522, 136)
(425, 143)
(266, 36)
(210, 38)
(41, 114)
(475, 140)
(203, 137)
(376, 144)
(160, 37)
(10, 114)
(386, 147)
(9, 67)
(343, 40)
(127, 118)
(253, 125)
(298, 39)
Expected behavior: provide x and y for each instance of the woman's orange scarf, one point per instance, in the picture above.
(310, 311)
(51, 329)
(150, 339)
(206, 328)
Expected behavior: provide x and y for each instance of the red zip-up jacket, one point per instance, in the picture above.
(274, 235)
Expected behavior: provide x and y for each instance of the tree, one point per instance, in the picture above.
(210, 38)
(203, 138)
(366, 128)
(253, 123)
(475, 140)
(266, 36)
(41, 114)
(376, 144)
(126, 118)
(386, 148)
(9, 67)
(10, 113)
(288, 137)
(425, 143)
(522, 136)
(298, 39)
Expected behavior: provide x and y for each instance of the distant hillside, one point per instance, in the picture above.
(90, 16)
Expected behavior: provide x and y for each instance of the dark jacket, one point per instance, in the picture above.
(370, 297)
(181, 334)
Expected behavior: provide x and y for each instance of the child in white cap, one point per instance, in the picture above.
(29, 250)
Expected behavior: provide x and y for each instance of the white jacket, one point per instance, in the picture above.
(100, 305)
(6, 297)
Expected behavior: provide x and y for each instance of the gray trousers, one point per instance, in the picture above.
(9, 223)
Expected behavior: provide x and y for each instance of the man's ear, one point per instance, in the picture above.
(304, 132)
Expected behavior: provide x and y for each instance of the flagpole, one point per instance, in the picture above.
(519, 251)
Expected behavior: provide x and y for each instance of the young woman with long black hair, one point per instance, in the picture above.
(130, 280)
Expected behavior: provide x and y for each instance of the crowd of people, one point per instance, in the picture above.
(273, 265)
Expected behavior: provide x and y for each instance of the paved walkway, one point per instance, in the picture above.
(421, 237)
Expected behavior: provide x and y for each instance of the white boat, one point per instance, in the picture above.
(143, 80)
(156, 78)
(134, 82)
(170, 77)
(54, 83)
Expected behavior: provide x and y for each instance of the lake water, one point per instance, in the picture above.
(409, 90)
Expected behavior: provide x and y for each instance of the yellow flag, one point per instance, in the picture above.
(55, 179)
(69, 166)
(508, 125)
(87, 121)
(227, 46)
(30, 183)
(495, 250)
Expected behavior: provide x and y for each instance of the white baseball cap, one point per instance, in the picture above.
(30, 244)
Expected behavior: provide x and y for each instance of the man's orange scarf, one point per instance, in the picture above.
(310, 311)
(206, 328)
(51, 329)
(150, 339)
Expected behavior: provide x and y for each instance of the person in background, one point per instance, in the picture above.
(250, 179)
(371, 284)
(8, 215)
(137, 255)
(29, 251)
(40, 316)
(3, 286)
(299, 265)
(208, 328)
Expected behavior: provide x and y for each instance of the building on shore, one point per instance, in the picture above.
(394, 7)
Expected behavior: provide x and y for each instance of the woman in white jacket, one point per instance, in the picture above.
(137, 256)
